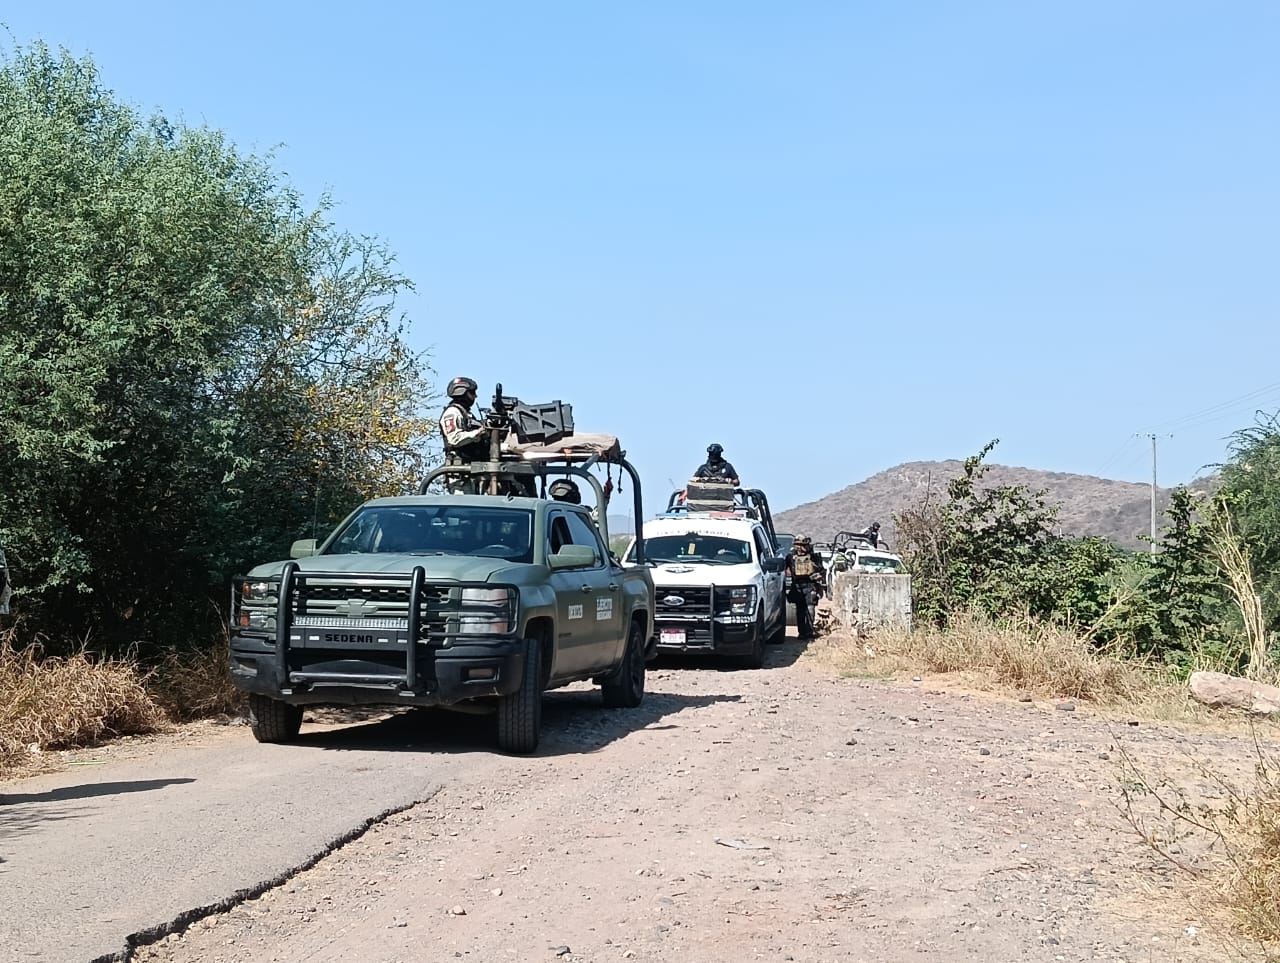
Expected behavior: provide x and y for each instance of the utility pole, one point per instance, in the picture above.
(1152, 436)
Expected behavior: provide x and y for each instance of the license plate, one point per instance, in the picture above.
(671, 637)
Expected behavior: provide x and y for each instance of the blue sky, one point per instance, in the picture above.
(831, 236)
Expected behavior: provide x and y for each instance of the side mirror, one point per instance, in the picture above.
(303, 548)
(775, 564)
(573, 556)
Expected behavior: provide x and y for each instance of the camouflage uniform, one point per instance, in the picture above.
(807, 578)
(465, 440)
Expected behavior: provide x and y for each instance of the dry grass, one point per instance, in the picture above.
(66, 702)
(1253, 871)
(1224, 836)
(195, 684)
(1024, 656)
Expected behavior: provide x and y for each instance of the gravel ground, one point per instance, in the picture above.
(779, 814)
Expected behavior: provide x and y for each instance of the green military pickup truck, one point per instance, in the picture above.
(445, 600)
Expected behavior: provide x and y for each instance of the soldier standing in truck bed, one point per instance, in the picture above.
(715, 468)
(465, 439)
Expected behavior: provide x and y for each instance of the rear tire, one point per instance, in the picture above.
(625, 689)
(272, 720)
(520, 714)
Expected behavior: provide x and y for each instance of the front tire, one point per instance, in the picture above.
(625, 688)
(755, 658)
(520, 714)
(779, 633)
(271, 720)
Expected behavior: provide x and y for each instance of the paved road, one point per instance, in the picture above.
(90, 856)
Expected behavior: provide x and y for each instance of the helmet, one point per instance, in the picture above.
(460, 386)
(564, 490)
(715, 450)
(802, 540)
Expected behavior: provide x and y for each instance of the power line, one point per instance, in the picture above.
(1119, 453)
(1221, 407)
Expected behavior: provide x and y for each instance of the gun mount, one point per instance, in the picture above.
(704, 496)
(529, 445)
(542, 424)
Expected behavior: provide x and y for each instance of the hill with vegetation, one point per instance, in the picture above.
(1117, 510)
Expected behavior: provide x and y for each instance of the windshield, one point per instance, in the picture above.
(879, 561)
(437, 530)
(784, 543)
(708, 549)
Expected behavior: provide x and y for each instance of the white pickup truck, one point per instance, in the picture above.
(718, 578)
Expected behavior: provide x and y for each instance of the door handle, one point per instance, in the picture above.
(586, 588)
(613, 586)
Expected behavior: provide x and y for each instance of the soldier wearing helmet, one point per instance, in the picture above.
(804, 567)
(564, 490)
(465, 439)
(715, 468)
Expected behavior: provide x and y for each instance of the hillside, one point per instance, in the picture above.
(1118, 510)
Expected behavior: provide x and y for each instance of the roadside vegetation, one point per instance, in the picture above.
(196, 368)
(1003, 601)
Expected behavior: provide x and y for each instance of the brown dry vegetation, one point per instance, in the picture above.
(1021, 656)
(62, 702)
(195, 684)
(1227, 845)
(65, 702)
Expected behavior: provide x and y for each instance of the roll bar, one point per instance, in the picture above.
(576, 465)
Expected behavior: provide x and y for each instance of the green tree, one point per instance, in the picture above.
(192, 365)
(994, 548)
(1172, 604)
(1251, 486)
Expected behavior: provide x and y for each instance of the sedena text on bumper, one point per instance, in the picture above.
(466, 671)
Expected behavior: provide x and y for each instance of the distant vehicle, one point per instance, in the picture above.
(717, 573)
(853, 552)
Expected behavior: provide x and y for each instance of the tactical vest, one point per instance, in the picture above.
(802, 566)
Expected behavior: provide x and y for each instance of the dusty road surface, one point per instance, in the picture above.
(779, 814)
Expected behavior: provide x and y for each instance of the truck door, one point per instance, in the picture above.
(775, 603)
(604, 605)
(581, 594)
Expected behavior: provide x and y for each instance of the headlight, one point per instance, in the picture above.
(254, 605)
(742, 601)
(258, 591)
(485, 611)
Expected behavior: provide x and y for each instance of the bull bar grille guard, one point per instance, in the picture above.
(425, 622)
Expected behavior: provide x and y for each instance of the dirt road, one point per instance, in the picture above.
(780, 814)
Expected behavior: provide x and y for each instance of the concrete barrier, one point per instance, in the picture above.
(864, 601)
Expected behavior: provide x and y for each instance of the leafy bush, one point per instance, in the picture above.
(194, 370)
